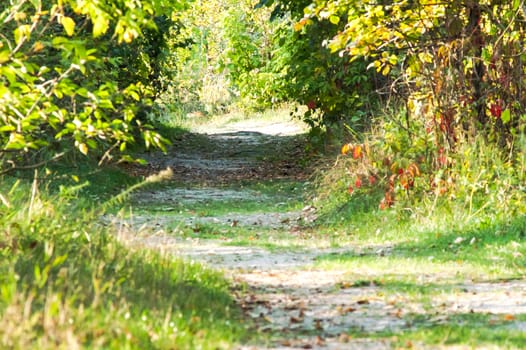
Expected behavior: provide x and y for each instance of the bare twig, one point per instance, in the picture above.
(14, 167)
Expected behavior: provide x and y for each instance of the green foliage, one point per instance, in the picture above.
(337, 93)
(456, 67)
(67, 77)
(458, 60)
(227, 45)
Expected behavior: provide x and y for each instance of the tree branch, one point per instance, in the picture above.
(32, 166)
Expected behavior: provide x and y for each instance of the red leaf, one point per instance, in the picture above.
(358, 182)
(496, 110)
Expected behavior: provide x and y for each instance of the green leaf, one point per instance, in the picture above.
(7, 128)
(69, 25)
(4, 56)
(134, 95)
(506, 116)
(334, 19)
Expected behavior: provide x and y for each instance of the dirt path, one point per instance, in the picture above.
(287, 294)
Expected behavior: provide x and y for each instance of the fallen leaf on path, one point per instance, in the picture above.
(397, 313)
(319, 341)
(345, 285)
(298, 306)
(345, 310)
(296, 319)
(363, 302)
(344, 338)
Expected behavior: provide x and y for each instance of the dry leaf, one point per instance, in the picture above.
(344, 338)
(319, 341)
(347, 310)
(345, 285)
(296, 319)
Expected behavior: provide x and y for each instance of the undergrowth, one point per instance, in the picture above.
(395, 185)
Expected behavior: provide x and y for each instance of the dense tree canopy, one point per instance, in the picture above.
(83, 74)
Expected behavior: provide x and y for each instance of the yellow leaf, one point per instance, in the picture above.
(69, 25)
(83, 148)
(347, 148)
(38, 46)
(21, 33)
(100, 25)
(4, 56)
(128, 36)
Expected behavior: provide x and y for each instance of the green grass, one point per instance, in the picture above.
(65, 281)
(466, 330)
(492, 248)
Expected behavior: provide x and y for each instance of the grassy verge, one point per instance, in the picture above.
(447, 227)
(66, 282)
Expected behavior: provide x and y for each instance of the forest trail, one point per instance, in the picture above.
(236, 204)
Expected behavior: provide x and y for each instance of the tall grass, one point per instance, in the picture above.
(67, 283)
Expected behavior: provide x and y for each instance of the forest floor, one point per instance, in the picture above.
(238, 202)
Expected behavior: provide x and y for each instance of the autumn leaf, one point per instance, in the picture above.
(413, 170)
(357, 152)
(69, 25)
(347, 148)
(83, 148)
(358, 182)
(404, 181)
